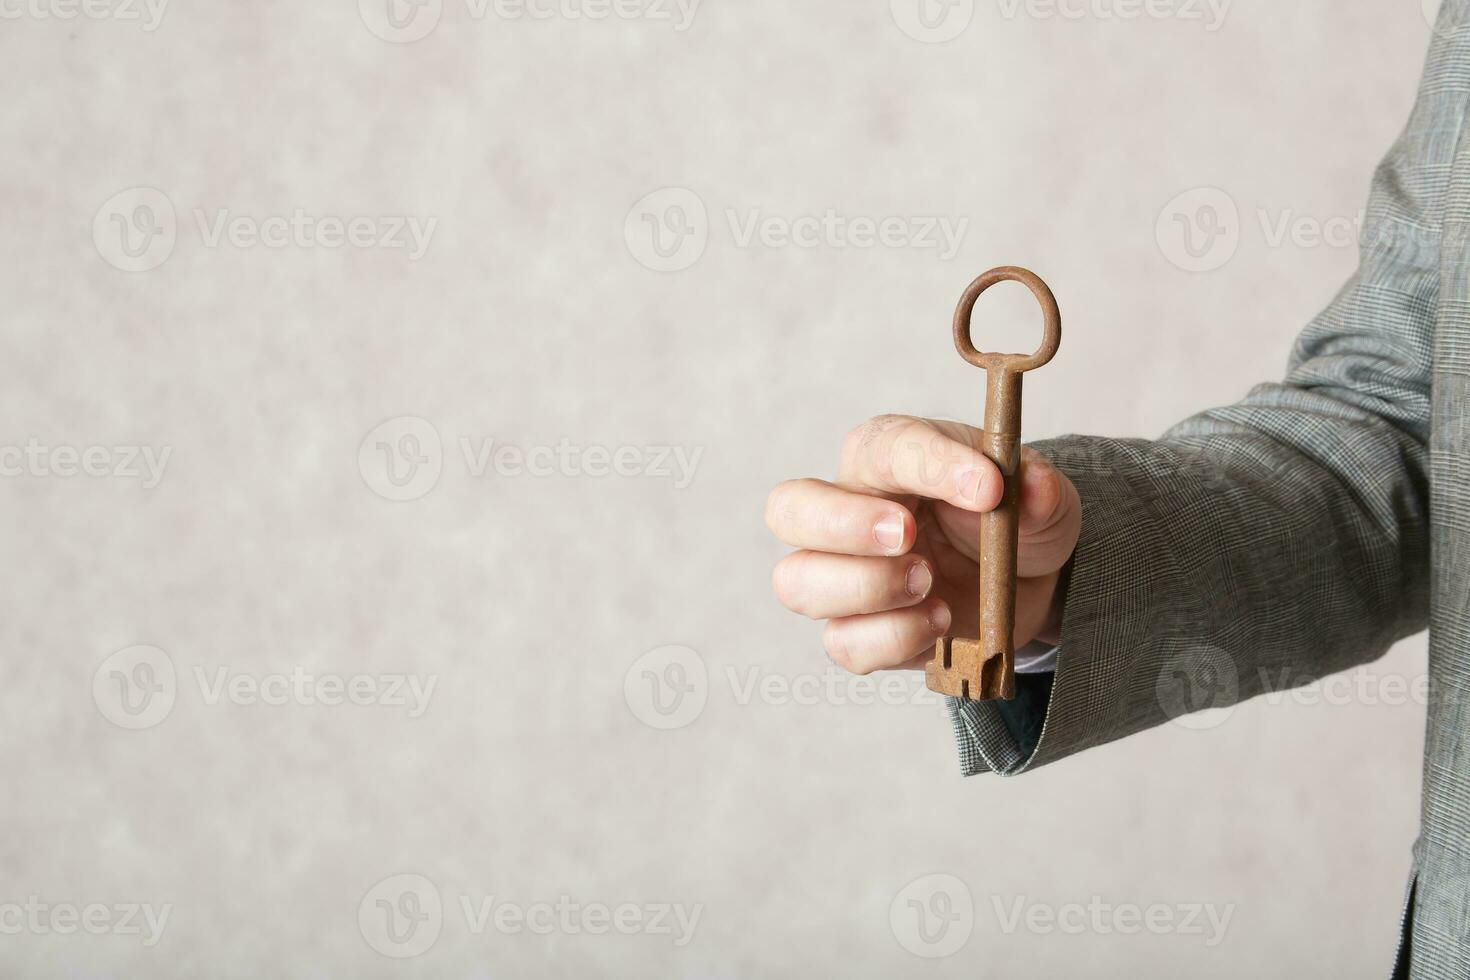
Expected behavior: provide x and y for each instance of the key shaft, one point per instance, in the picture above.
(983, 668)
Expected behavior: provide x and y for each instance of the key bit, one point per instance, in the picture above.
(983, 668)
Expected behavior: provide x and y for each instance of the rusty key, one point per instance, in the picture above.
(984, 669)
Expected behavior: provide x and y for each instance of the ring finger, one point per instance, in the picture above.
(883, 641)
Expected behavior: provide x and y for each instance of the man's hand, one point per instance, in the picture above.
(887, 553)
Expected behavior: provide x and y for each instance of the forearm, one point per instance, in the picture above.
(1281, 538)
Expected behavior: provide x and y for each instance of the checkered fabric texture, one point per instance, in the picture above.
(1303, 530)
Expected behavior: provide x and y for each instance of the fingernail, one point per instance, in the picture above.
(939, 619)
(918, 580)
(889, 533)
(968, 481)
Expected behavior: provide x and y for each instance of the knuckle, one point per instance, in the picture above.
(924, 457)
(836, 646)
(778, 506)
(912, 427)
(874, 591)
(912, 440)
(1048, 490)
(786, 581)
(862, 437)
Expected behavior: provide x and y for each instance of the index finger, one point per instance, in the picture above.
(900, 454)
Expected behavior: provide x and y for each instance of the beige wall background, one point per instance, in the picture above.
(208, 696)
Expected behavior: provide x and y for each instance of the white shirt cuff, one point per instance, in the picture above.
(1036, 658)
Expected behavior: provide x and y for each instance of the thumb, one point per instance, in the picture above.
(1050, 518)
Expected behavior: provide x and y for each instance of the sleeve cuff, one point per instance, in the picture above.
(1001, 736)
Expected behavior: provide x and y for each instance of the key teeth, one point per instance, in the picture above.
(995, 680)
(958, 670)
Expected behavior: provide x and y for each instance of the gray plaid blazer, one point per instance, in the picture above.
(1303, 530)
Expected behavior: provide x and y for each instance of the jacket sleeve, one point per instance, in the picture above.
(1268, 543)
